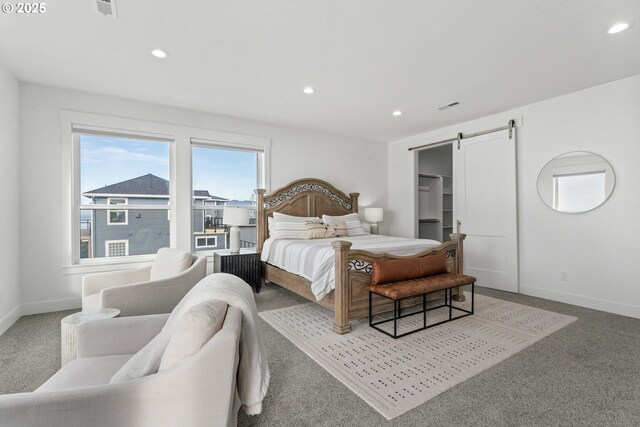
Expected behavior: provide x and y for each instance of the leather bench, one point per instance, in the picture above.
(400, 279)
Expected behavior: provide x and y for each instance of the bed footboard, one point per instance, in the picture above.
(353, 275)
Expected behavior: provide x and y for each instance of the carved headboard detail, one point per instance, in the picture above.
(303, 197)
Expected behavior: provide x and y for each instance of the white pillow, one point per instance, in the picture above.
(291, 227)
(192, 331)
(144, 362)
(354, 226)
(169, 262)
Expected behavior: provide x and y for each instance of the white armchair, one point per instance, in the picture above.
(198, 391)
(155, 289)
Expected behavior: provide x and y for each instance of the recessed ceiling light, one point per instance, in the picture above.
(618, 28)
(308, 90)
(397, 113)
(159, 53)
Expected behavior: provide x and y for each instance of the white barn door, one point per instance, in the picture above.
(486, 210)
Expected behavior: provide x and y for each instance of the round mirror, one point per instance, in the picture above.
(576, 182)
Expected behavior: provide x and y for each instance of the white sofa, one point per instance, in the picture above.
(154, 289)
(198, 391)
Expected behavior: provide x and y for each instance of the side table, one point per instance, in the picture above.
(69, 330)
(245, 265)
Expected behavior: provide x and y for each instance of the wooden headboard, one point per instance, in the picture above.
(302, 197)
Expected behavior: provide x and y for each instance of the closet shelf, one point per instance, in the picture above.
(428, 220)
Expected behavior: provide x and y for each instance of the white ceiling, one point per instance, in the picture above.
(365, 58)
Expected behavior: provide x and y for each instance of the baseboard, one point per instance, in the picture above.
(9, 319)
(582, 301)
(51, 305)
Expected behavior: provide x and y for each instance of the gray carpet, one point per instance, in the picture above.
(587, 374)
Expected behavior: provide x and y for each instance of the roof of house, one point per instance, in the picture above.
(148, 184)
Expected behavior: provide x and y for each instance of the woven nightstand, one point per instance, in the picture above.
(245, 265)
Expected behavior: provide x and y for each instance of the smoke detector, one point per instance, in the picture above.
(107, 7)
(446, 107)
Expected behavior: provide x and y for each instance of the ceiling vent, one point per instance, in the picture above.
(445, 107)
(107, 7)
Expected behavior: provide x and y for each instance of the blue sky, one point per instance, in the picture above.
(107, 160)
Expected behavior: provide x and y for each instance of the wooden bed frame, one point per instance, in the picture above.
(350, 298)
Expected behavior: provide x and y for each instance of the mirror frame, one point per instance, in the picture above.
(607, 196)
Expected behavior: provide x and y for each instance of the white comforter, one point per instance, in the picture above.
(314, 259)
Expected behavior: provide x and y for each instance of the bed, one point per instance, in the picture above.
(347, 269)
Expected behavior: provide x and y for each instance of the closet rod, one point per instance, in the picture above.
(510, 126)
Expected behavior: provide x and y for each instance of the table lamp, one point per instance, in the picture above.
(235, 216)
(373, 215)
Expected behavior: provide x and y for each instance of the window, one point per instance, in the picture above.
(117, 216)
(578, 192)
(203, 242)
(127, 181)
(116, 248)
(223, 176)
(124, 195)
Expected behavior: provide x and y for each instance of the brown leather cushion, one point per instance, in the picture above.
(422, 285)
(397, 270)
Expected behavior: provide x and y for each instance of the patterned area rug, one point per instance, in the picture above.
(395, 376)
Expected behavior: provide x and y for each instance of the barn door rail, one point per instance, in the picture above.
(460, 136)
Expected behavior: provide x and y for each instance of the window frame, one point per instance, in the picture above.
(180, 219)
(126, 211)
(556, 177)
(262, 172)
(206, 246)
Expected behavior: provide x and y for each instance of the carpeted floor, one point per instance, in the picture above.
(587, 374)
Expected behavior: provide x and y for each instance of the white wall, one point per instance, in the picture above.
(353, 165)
(9, 276)
(599, 249)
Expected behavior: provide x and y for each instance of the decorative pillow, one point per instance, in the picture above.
(169, 262)
(316, 230)
(144, 362)
(354, 226)
(397, 270)
(291, 227)
(339, 229)
(192, 331)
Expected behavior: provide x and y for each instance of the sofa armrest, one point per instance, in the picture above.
(121, 335)
(94, 283)
(153, 297)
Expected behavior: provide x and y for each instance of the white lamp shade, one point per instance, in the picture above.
(235, 215)
(373, 214)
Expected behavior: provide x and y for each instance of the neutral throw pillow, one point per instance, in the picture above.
(192, 331)
(354, 226)
(339, 229)
(169, 262)
(316, 230)
(291, 227)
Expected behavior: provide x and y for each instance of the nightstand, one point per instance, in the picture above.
(245, 265)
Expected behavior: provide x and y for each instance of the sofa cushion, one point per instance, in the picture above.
(397, 270)
(169, 262)
(192, 331)
(84, 372)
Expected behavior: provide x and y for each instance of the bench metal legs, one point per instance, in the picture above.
(397, 314)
